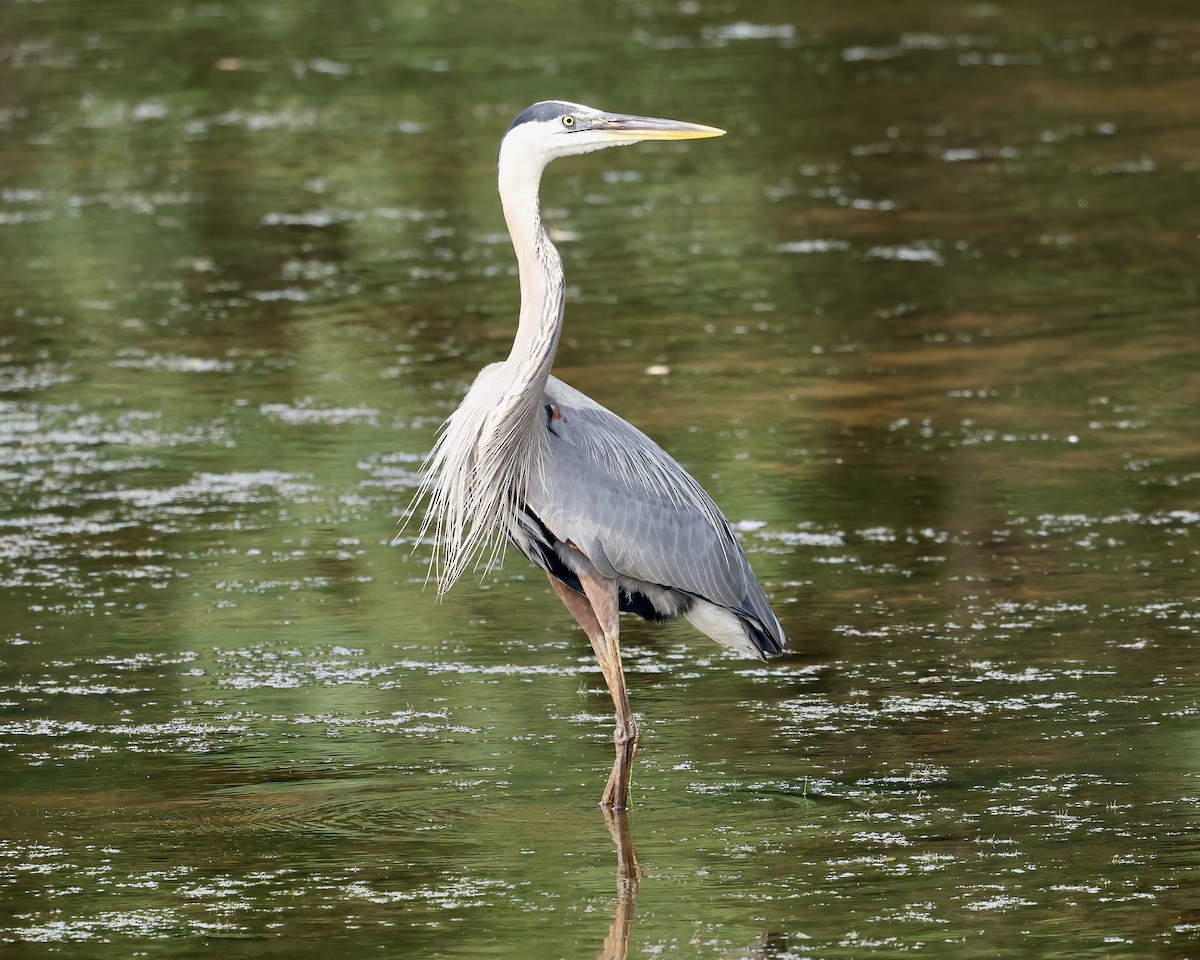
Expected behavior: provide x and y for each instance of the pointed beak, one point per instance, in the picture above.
(621, 129)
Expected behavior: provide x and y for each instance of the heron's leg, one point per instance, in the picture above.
(597, 612)
(604, 597)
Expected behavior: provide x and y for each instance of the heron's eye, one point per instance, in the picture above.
(568, 121)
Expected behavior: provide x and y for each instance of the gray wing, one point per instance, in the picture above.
(621, 500)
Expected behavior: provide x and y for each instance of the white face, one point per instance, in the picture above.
(561, 129)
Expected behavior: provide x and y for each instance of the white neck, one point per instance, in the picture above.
(540, 269)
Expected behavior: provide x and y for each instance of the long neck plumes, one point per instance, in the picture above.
(477, 471)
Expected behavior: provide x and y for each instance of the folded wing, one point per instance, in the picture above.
(617, 497)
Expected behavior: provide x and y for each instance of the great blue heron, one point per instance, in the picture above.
(612, 519)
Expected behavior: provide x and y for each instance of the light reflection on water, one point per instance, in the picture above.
(924, 323)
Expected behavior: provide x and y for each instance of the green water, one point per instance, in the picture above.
(931, 323)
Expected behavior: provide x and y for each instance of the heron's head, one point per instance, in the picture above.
(555, 128)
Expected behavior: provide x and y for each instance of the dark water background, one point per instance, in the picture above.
(930, 315)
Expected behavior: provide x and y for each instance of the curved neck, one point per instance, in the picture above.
(543, 291)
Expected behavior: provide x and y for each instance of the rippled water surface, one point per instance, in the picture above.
(925, 324)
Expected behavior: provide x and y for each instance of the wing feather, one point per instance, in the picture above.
(622, 500)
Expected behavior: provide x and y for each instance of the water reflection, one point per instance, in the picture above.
(629, 878)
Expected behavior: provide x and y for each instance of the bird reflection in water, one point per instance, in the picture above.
(629, 878)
